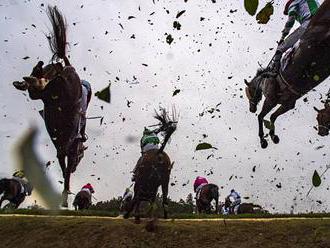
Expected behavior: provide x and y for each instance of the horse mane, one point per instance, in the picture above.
(57, 37)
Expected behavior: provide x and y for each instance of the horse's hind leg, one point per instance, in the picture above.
(165, 200)
(281, 110)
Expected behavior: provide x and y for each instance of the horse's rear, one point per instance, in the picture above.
(82, 200)
(311, 58)
(208, 193)
(153, 170)
(11, 190)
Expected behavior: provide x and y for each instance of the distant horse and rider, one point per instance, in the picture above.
(65, 99)
(14, 189)
(206, 193)
(83, 199)
(304, 66)
(154, 167)
(234, 205)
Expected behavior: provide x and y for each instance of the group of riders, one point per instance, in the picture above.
(297, 10)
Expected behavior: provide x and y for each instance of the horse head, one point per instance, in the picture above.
(41, 75)
(253, 91)
(323, 119)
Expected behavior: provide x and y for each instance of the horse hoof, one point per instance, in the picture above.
(126, 216)
(263, 144)
(137, 221)
(275, 139)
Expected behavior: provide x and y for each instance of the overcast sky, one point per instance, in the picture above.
(208, 60)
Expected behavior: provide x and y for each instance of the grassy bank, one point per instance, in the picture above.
(171, 215)
(92, 232)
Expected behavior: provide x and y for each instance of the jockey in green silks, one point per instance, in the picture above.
(297, 10)
(149, 141)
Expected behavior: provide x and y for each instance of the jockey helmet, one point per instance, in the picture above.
(19, 174)
(232, 190)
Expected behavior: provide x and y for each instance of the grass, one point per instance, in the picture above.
(171, 215)
(72, 232)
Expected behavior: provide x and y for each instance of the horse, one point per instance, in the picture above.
(306, 66)
(243, 208)
(60, 89)
(83, 200)
(12, 192)
(323, 117)
(153, 170)
(207, 194)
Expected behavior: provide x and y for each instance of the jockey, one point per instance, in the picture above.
(86, 97)
(296, 10)
(198, 185)
(149, 141)
(236, 199)
(88, 187)
(26, 186)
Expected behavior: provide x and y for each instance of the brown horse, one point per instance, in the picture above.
(207, 194)
(59, 87)
(83, 200)
(244, 208)
(12, 192)
(307, 67)
(153, 170)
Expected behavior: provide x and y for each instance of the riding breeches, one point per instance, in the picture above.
(291, 40)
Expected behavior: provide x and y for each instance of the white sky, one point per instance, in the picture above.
(199, 61)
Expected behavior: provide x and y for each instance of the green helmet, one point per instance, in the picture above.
(19, 173)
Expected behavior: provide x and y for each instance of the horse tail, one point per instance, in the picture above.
(215, 196)
(3, 185)
(168, 125)
(57, 37)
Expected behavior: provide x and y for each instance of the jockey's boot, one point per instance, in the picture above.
(277, 63)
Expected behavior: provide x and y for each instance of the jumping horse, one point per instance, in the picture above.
(153, 170)
(59, 87)
(306, 66)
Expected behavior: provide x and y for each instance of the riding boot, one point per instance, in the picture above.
(277, 62)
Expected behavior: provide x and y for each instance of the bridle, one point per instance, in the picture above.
(254, 100)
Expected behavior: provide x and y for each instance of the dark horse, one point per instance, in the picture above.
(83, 200)
(153, 170)
(12, 192)
(307, 67)
(59, 87)
(207, 194)
(244, 208)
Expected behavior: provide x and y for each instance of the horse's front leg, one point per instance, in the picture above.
(1, 200)
(281, 110)
(266, 108)
(165, 200)
(61, 160)
(137, 212)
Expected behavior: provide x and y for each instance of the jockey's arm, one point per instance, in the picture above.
(288, 26)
